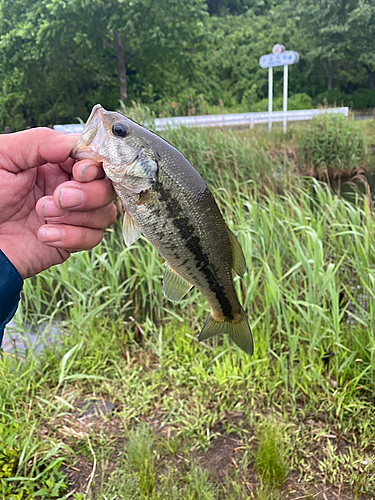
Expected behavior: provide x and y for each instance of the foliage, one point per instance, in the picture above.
(270, 457)
(359, 99)
(324, 21)
(185, 103)
(360, 37)
(232, 69)
(202, 421)
(27, 469)
(59, 58)
(184, 408)
(333, 143)
(362, 98)
(296, 101)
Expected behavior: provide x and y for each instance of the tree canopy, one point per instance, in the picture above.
(60, 57)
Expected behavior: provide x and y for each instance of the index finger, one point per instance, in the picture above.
(77, 196)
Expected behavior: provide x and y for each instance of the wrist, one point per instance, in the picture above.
(7, 249)
(10, 288)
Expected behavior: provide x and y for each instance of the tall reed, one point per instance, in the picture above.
(333, 145)
(309, 286)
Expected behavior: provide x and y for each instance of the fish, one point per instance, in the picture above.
(168, 202)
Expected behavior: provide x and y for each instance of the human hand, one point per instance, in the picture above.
(50, 205)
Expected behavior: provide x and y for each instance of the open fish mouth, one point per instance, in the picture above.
(92, 137)
(97, 138)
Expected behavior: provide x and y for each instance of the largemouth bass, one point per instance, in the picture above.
(166, 200)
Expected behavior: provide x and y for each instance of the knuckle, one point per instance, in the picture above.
(83, 237)
(112, 213)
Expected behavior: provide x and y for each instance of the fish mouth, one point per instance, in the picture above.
(92, 137)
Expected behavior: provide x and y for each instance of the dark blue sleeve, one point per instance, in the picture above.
(10, 289)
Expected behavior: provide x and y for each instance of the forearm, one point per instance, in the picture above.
(10, 289)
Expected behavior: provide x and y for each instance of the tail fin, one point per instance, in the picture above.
(238, 330)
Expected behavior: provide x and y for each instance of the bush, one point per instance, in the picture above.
(185, 103)
(333, 97)
(363, 98)
(333, 142)
(300, 101)
(296, 101)
(359, 99)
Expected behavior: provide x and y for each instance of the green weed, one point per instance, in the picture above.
(270, 457)
(141, 459)
(333, 145)
(28, 468)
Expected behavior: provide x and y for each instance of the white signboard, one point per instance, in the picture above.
(279, 59)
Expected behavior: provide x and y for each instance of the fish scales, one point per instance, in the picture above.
(166, 200)
(185, 242)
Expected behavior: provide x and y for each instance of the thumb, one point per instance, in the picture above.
(34, 147)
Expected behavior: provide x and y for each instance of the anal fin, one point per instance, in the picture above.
(174, 287)
(130, 231)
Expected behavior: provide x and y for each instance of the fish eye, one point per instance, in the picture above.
(119, 130)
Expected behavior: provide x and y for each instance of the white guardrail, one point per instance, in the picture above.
(230, 120)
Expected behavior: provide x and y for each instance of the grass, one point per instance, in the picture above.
(204, 421)
(270, 456)
(333, 146)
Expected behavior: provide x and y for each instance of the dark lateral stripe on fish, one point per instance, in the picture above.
(186, 230)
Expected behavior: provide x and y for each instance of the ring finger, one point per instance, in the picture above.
(69, 237)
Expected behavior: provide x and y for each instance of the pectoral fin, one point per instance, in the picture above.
(239, 263)
(136, 184)
(174, 287)
(136, 177)
(141, 174)
(130, 231)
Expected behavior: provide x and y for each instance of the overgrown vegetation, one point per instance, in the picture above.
(270, 454)
(204, 421)
(333, 146)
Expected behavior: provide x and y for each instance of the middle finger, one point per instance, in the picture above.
(97, 219)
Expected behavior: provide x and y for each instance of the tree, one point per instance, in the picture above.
(59, 57)
(230, 70)
(324, 24)
(361, 41)
(224, 7)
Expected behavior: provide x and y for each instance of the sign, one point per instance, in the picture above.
(278, 48)
(279, 59)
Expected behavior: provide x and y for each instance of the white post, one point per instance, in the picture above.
(270, 83)
(285, 95)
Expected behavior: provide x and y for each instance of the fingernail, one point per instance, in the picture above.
(49, 209)
(51, 234)
(71, 197)
(88, 173)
